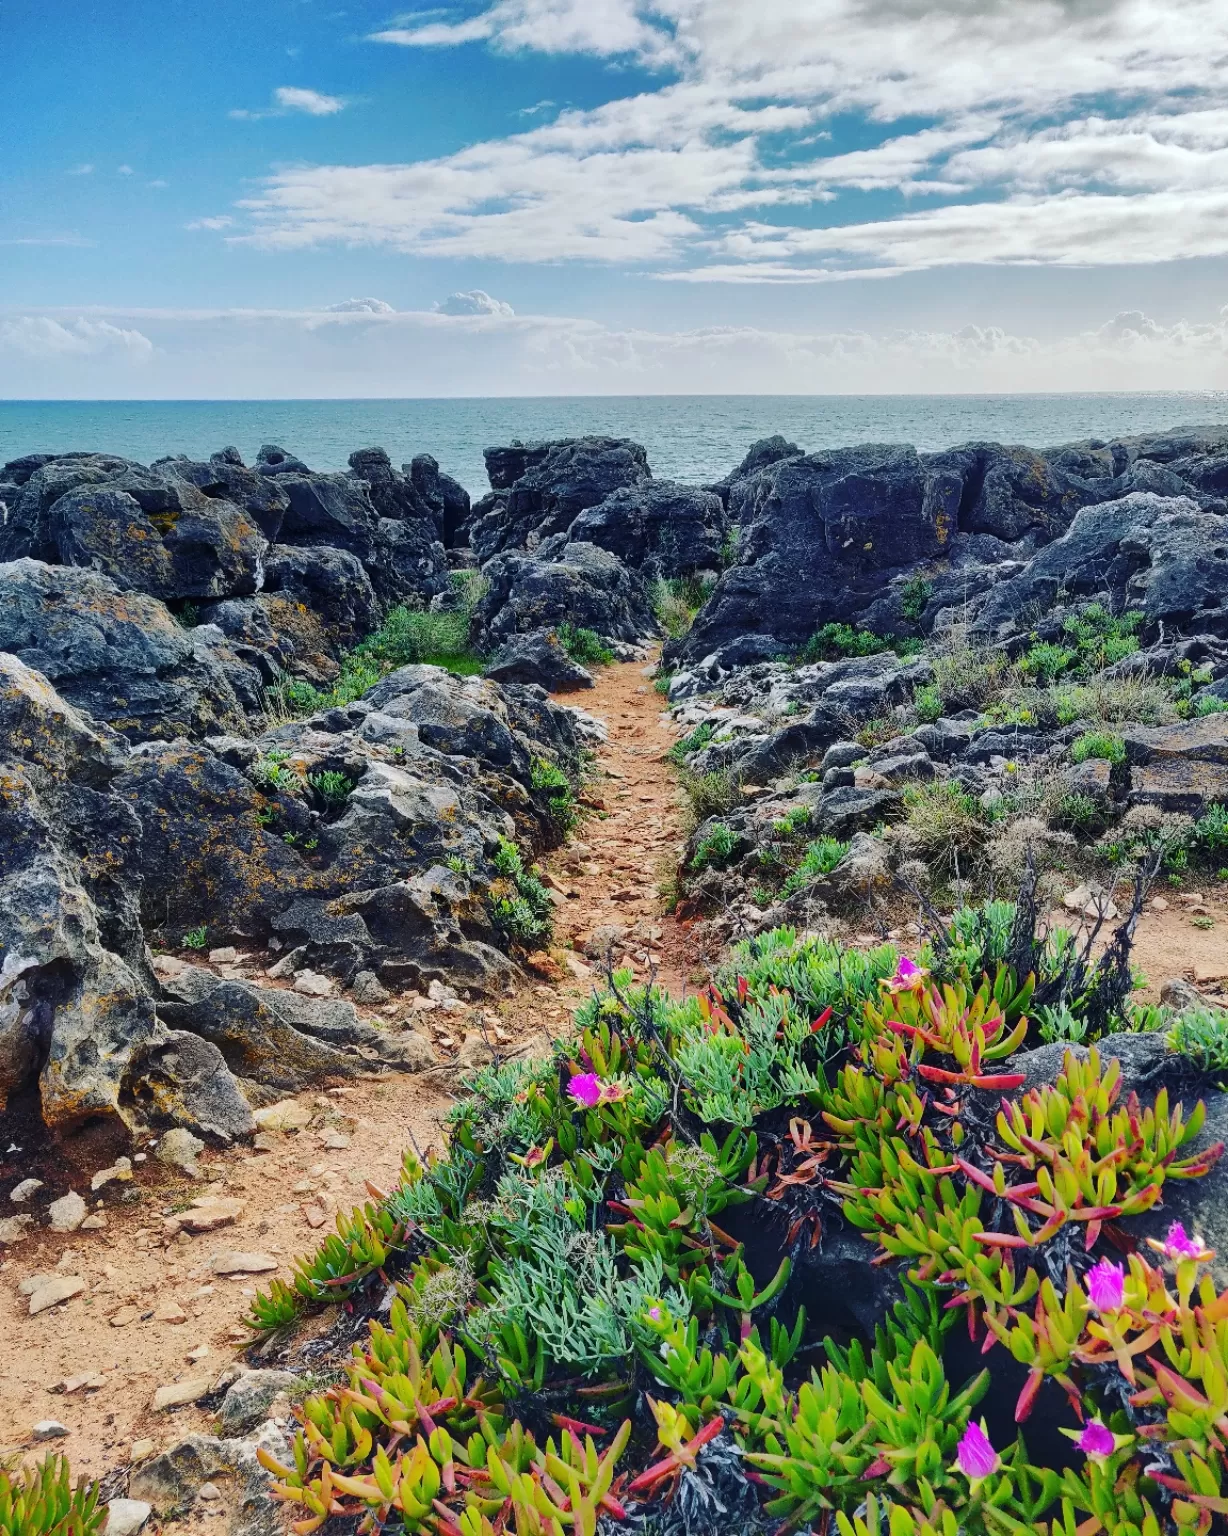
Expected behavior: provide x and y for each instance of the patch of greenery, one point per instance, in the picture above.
(818, 861)
(1211, 830)
(944, 825)
(550, 778)
(914, 595)
(793, 823)
(272, 772)
(1201, 1033)
(41, 1501)
(694, 742)
(710, 794)
(520, 904)
(927, 704)
(196, 938)
(1101, 746)
(716, 848)
(584, 646)
(836, 641)
(333, 788)
(676, 601)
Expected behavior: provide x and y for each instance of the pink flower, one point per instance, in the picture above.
(655, 1314)
(1096, 1441)
(909, 977)
(974, 1455)
(1177, 1246)
(1106, 1286)
(585, 1088)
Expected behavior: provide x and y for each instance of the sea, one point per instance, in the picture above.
(692, 438)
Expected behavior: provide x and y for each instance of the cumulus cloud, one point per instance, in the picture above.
(1024, 104)
(306, 354)
(359, 307)
(43, 337)
(294, 98)
(475, 302)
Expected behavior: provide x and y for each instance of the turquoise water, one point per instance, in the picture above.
(689, 437)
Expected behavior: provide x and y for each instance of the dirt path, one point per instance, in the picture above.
(151, 1311)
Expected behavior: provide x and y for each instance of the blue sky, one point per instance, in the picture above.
(626, 195)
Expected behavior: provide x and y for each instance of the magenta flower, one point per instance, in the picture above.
(656, 1314)
(1106, 1286)
(1097, 1441)
(974, 1455)
(585, 1088)
(1177, 1246)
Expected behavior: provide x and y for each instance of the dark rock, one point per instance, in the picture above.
(331, 510)
(331, 583)
(171, 540)
(223, 478)
(248, 1400)
(1181, 768)
(661, 528)
(118, 655)
(552, 487)
(24, 531)
(845, 811)
(760, 456)
(1167, 557)
(537, 658)
(183, 1079)
(1004, 491)
(447, 498)
(272, 460)
(408, 563)
(582, 585)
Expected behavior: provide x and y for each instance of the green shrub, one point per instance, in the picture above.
(41, 1501)
(333, 788)
(1102, 746)
(585, 646)
(549, 777)
(1046, 662)
(1211, 830)
(792, 823)
(1078, 812)
(716, 848)
(927, 704)
(677, 600)
(710, 794)
(1201, 1033)
(272, 772)
(694, 742)
(818, 861)
(967, 676)
(914, 595)
(520, 904)
(196, 938)
(835, 641)
(943, 825)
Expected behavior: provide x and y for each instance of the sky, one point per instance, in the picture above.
(295, 198)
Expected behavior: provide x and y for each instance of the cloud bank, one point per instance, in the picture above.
(365, 352)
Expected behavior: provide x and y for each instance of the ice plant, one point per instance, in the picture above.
(1105, 1286)
(974, 1455)
(1178, 1247)
(1097, 1441)
(909, 976)
(585, 1088)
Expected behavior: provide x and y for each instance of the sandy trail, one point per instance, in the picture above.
(112, 1338)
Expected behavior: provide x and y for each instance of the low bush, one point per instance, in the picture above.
(677, 600)
(550, 778)
(333, 787)
(695, 741)
(710, 794)
(520, 905)
(1201, 1033)
(835, 641)
(716, 848)
(944, 826)
(818, 861)
(584, 646)
(1102, 746)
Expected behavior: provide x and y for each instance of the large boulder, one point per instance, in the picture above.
(658, 527)
(77, 1017)
(224, 477)
(1165, 556)
(548, 485)
(1004, 491)
(820, 535)
(538, 658)
(332, 510)
(120, 656)
(577, 584)
(162, 537)
(329, 583)
(447, 498)
(24, 530)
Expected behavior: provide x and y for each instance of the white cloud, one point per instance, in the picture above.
(82, 170)
(1028, 101)
(216, 221)
(475, 302)
(294, 98)
(43, 337)
(124, 170)
(314, 103)
(67, 240)
(306, 354)
(360, 307)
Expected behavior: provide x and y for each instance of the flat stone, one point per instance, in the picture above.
(1180, 785)
(125, 1517)
(226, 954)
(124, 1316)
(67, 1213)
(50, 1429)
(141, 1449)
(61, 1288)
(95, 1222)
(233, 1262)
(312, 984)
(285, 1115)
(247, 1402)
(1091, 904)
(180, 1149)
(20, 1193)
(178, 1394)
(334, 1141)
(13, 1229)
(205, 1216)
(169, 1312)
(32, 1283)
(119, 1172)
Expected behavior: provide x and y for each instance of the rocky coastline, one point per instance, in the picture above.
(331, 721)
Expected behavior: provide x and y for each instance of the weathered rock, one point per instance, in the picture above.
(20, 1193)
(238, 1262)
(67, 1213)
(13, 1229)
(120, 656)
(538, 658)
(57, 1289)
(50, 1429)
(171, 1481)
(579, 584)
(125, 1517)
(226, 478)
(548, 485)
(661, 528)
(331, 583)
(447, 499)
(24, 532)
(285, 1115)
(248, 1399)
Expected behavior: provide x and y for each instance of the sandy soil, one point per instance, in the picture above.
(109, 1343)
